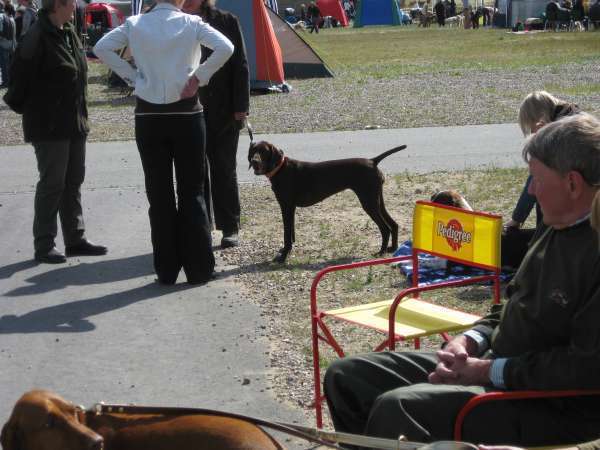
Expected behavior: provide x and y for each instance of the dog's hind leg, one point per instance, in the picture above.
(391, 223)
(372, 207)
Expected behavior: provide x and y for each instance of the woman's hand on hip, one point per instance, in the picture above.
(191, 87)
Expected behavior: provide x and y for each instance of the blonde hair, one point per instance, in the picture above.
(538, 106)
(571, 144)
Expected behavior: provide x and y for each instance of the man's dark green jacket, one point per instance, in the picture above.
(49, 83)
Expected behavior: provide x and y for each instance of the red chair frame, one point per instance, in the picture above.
(512, 395)
(390, 342)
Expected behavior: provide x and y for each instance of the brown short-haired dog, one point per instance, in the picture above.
(41, 420)
(300, 183)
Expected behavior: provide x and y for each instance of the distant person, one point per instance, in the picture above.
(25, 17)
(314, 16)
(302, 15)
(48, 87)
(440, 13)
(8, 42)
(452, 8)
(348, 9)
(226, 102)
(9, 8)
(166, 45)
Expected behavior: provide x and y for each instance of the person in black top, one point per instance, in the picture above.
(52, 99)
(440, 13)
(226, 101)
(314, 15)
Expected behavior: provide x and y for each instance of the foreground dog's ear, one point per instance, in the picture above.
(251, 151)
(9, 438)
(275, 155)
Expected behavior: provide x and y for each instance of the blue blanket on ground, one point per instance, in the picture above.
(432, 269)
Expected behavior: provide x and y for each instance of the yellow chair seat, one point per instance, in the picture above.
(414, 318)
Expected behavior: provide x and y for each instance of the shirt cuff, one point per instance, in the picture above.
(480, 339)
(497, 372)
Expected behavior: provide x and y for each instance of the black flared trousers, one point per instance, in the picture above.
(179, 225)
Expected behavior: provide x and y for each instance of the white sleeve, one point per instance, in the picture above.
(106, 49)
(222, 50)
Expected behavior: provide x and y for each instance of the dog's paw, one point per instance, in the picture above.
(281, 256)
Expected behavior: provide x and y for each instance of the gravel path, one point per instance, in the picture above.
(457, 97)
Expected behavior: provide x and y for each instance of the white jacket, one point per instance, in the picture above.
(165, 45)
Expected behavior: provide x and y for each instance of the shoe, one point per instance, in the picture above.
(52, 256)
(230, 239)
(86, 248)
(202, 280)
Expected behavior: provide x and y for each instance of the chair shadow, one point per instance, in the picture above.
(73, 317)
(105, 271)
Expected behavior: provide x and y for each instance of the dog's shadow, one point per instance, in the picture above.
(73, 317)
(82, 274)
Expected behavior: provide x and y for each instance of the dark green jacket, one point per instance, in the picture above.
(49, 83)
(549, 328)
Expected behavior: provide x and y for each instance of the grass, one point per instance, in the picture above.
(389, 52)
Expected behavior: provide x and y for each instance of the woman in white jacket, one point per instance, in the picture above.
(169, 128)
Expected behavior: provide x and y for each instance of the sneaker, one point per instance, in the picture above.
(230, 239)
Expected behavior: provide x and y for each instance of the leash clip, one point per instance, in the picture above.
(249, 128)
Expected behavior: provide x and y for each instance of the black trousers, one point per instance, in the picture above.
(61, 167)
(221, 147)
(180, 227)
(387, 395)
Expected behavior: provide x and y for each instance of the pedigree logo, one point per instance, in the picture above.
(454, 234)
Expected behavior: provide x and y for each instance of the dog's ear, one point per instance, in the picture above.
(9, 437)
(251, 151)
(275, 155)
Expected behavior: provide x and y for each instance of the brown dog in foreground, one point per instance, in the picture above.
(300, 183)
(42, 420)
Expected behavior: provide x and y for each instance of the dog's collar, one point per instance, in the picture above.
(273, 172)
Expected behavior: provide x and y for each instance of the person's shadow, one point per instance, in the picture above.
(74, 317)
(82, 274)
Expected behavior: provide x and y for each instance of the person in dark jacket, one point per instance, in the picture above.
(314, 16)
(440, 13)
(545, 336)
(48, 86)
(226, 101)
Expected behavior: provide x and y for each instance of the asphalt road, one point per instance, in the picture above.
(99, 328)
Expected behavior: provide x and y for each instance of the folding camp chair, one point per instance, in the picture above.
(467, 237)
(512, 395)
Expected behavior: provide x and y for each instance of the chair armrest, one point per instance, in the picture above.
(416, 289)
(511, 395)
(319, 276)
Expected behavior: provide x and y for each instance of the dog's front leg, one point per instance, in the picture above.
(287, 213)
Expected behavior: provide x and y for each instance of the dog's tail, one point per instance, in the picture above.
(378, 159)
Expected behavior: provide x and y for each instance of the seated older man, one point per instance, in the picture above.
(546, 336)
